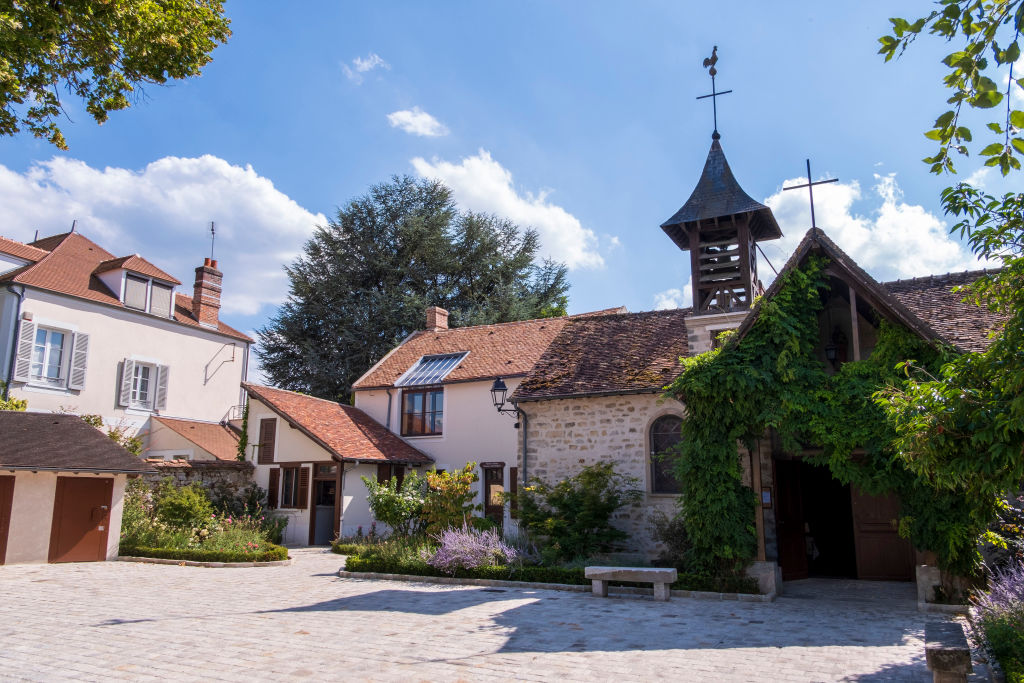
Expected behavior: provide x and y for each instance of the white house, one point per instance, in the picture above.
(84, 331)
(306, 450)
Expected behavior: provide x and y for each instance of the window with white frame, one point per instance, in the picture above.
(48, 356)
(142, 385)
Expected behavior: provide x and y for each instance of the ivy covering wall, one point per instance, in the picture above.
(773, 379)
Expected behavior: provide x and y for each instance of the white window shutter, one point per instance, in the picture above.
(79, 357)
(162, 375)
(23, 361)
(127, 375)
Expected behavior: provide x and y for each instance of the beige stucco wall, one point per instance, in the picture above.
(205, 368)
(168, 444)
(473, 430)
(567, 434)
(28, 540)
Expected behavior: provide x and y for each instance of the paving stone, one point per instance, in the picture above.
(301, 622)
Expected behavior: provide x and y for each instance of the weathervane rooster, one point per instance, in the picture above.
(711, 61)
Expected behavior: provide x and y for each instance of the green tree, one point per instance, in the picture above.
(962, 427)
(100, 52)
(363, 282)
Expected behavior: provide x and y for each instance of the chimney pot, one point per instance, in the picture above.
(437, 318)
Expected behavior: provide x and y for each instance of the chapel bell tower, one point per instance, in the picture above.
(720, 226)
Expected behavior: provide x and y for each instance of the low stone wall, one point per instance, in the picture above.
(236, 475)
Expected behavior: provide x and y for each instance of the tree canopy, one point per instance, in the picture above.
(961, 427)
(364, 281)
(100, 52)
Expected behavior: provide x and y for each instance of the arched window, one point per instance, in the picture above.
(665, 433)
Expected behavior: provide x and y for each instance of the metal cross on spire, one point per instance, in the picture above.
(709, 64)
(810, 189)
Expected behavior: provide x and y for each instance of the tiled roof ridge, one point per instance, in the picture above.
(663, 311)
(23, 245)
(251, 386)
(964, 274)
(589, 314)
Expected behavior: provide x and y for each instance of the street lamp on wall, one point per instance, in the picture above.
(498, 393)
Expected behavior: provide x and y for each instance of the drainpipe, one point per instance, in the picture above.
(525, 423)
(14, 339)
(387, 420)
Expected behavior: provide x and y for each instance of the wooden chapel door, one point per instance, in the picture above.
(789, 519)
(881, 554)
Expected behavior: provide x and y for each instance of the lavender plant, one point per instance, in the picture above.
(467, 548)
(999, 615)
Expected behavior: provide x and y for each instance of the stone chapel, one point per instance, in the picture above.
(596, 392)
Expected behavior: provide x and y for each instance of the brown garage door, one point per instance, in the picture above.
(81, 517)
(6, 499)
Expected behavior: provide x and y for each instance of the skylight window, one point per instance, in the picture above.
(431, 369)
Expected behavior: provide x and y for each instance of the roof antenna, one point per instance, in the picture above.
(73, 224)
(213, 238)
(810, 189)
(36, 238)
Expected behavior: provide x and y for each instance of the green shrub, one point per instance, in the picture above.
(182, 506)
(269, 553)
(572, 519)
(449, 500)
(671, 531)
(400, 507)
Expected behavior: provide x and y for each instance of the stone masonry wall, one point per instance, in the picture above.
(567, 434)
(237, 475)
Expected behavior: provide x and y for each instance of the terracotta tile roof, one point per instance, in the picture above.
(70, 265)
(345, 432)
(610, 354)
(501, 350)
(19, 250)
(219, 440)
(931, 298)
(136, 264)
(47, 441)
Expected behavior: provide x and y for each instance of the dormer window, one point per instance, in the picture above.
(145, 294)
(431, 369)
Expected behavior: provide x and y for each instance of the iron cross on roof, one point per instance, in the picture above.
(709, 64)
(810, 189)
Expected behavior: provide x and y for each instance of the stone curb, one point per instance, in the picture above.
(628, 590)
(193, 563)
(939, 608)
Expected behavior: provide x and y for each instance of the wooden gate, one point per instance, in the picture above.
(881, 554)
(81, 519)
(790, 521)
(6, 500)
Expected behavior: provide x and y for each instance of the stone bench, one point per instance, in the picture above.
(661, 578)
(946, 652)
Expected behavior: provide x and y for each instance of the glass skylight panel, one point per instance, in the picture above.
(430, 369)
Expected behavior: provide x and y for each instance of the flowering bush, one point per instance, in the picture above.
(999, 615)
(449, 500)
(468, 548)
(400, 507)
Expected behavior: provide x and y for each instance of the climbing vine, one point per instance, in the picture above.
(772, 380)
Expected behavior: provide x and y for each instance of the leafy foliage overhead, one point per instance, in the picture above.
(364, 281)
(984, 29)
(100, 52)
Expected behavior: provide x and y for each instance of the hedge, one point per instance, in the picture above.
(273, 553)
(370, 562)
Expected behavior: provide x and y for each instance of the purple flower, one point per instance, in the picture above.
(467, 548)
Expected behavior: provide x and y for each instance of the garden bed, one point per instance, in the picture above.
(364, 559)
(271, 553)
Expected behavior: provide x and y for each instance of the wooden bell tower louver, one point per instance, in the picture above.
(720, 225)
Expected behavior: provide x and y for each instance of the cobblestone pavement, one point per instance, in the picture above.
(142, 622)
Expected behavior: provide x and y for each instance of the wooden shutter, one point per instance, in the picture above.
(272, 486)
(268, 433)
(513, 488)
(127, 376)
(79, 356)
(163, 374)
(23, 362)
(383, 473)
(303, 500)
(399, 471)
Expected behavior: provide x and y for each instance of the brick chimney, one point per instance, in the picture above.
(206, 295)
(437, 319)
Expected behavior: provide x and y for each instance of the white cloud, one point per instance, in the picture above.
(415, 121)
(894, 240)
(163, 212)
(480, 183)
(673, 298)
(363, 65)
(979, 178)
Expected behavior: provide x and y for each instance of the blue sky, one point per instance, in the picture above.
(577, 118)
